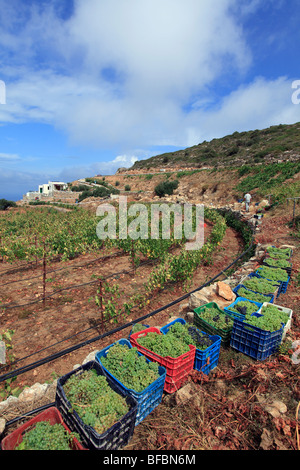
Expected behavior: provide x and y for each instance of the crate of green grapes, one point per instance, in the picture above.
(284, 313)
(279, 253)
(257, 335)
(263, 286)
(214, 321)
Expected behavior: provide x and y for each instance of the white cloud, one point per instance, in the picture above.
(159, 54)
(122, 74)
(9, 157)
(258, 105)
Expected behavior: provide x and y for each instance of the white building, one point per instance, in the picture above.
(48, 189)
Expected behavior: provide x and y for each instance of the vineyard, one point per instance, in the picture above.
(62, 286)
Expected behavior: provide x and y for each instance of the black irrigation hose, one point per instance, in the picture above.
(116, 330)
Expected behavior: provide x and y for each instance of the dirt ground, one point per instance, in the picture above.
(243, 404)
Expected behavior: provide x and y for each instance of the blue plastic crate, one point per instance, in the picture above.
(259, 270)
(149, 398)
(207, 359)
(275, 283)
(283, 284)
(269, 297)
(253, 341)
(237, 300)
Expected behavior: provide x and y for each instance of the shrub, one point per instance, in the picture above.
(166, 187)
(4, 204)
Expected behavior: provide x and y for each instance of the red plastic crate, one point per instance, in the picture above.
(52, 414)
(177, 368)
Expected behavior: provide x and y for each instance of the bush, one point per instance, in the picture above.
(127, 187)
(166, 187)
(4, 204)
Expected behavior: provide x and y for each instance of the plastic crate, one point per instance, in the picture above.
(51, 414)
(237, 300)
(150, 397)
(289, 311)
(207, 359)
(260, 274)
(203, 325)
(277, 285)
(266, 262)
(268, 297)
(131, 331)
(177, 369)
(273, 246)
(254, 342)
(117, 436)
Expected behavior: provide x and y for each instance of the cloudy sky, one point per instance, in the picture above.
(89, 86)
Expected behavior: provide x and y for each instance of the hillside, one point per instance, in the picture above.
(275, 143)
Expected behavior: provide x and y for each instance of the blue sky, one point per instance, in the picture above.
(93, 85)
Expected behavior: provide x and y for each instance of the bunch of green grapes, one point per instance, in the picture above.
(164, 345)
(244, 307)
(274, 274)
(216, 318)
(284, 253)
(129, 367)
(97, 404)
(270, 310)
(190, 335)
(271, 319)
(46, 436)
(263, 286)
(277, 263)
(247, 294)
(138, 327)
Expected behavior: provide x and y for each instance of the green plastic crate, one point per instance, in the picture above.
(201, 323)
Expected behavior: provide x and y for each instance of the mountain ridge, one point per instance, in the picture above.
(273, 144)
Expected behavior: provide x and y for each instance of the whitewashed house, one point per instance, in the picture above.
(48, 189)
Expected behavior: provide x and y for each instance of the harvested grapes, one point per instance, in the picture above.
(283, 253)
(278, 263)
(216, 318)
(261, 285)
(97, 404)
(269, 319)
(130, 368)
(190, 335)
(248, 294)
(46, 436)
(273, 274)
(244, 307)
(164, 345)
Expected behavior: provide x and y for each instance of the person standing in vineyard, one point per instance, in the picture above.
(247, 198)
